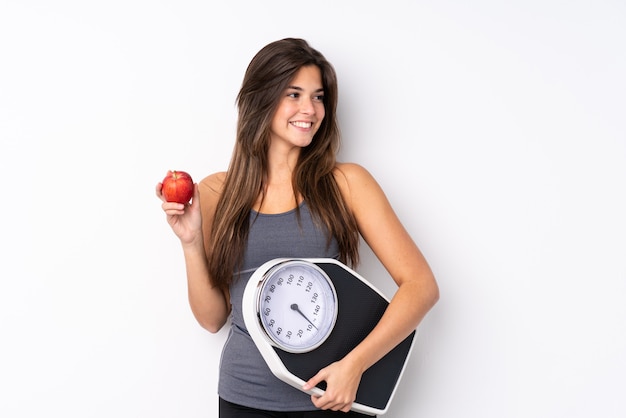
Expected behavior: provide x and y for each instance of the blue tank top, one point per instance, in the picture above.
(245, 379)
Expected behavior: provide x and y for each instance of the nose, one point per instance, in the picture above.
(306, 106)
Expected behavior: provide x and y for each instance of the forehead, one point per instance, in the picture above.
(309, 76)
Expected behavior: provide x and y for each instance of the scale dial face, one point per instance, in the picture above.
(297, 306)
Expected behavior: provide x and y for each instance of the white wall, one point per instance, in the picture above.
(496, 128)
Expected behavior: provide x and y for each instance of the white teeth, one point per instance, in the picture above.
(302, 124)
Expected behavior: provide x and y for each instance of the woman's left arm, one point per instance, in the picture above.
(417, 289)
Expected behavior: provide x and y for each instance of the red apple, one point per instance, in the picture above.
(177, 187)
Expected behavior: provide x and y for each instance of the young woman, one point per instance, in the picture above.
(285, 195)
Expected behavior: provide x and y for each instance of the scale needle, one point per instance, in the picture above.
(294, 307)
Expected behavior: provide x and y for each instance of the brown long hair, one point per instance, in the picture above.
(266, 78)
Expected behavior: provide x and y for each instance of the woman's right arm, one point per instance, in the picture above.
(209, 304)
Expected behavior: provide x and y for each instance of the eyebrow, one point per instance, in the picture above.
(301, 89)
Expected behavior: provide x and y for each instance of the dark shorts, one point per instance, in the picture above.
(231, 410)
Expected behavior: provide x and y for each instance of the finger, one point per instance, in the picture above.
(332, 399)
(314, 381)
(318, 402)
(196, 196)
(158, 189)
(173, 208)
(346, 408)
(325, 403)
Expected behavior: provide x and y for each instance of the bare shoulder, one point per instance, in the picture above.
(349, 173)
(353, 179)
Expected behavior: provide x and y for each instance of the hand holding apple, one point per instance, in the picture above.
(177, 187)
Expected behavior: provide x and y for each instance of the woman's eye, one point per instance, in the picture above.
(319, 98)
(294, 95)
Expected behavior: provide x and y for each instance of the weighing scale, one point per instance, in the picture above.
(304, 314)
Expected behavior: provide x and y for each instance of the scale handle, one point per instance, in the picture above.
(315, 391)
(299, 383)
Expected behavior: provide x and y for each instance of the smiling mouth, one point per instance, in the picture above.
(305, 125)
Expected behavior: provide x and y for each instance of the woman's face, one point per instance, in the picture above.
(300, 111)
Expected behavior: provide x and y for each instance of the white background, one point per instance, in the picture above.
(497, 130)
